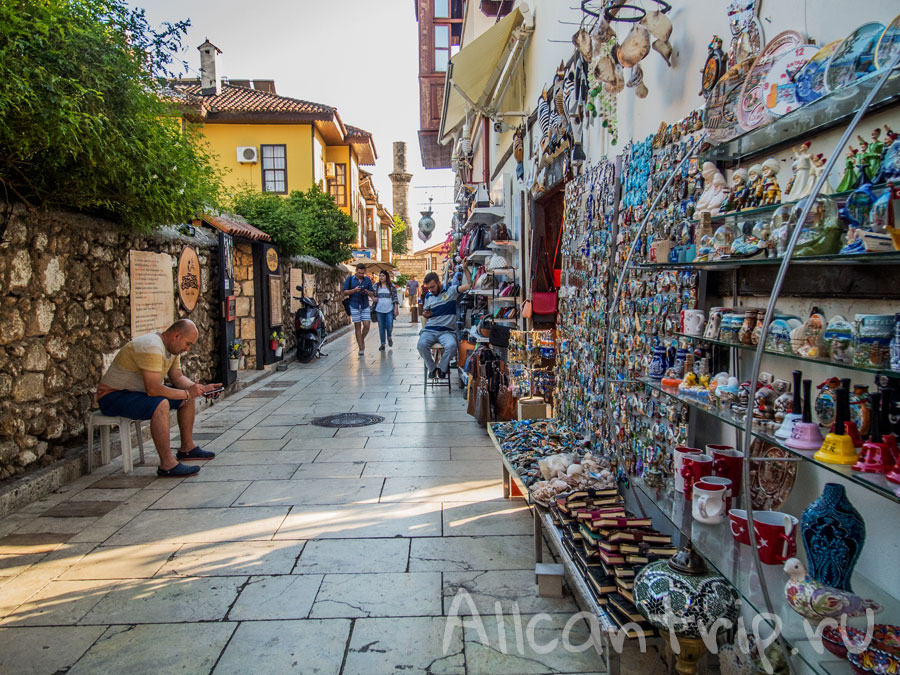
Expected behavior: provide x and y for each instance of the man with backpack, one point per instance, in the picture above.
(358, 288)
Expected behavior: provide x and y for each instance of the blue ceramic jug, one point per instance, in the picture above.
(833, 534)
(658, 363)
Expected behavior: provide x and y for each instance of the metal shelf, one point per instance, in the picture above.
(503, 245)
(793, 357)
(486, 215)
(830, 111)
(873, 482)
(480, 255)
(888, 258)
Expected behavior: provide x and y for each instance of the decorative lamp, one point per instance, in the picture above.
(681, 595)
(426, 223)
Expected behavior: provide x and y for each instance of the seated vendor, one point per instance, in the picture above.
(440, 325)
(133, 387)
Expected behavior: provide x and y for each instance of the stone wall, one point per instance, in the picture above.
(245, 303)
(65, 298)
(326, 290)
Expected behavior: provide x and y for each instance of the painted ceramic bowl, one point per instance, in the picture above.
(874, 662)
(886, 638)
(837, 644)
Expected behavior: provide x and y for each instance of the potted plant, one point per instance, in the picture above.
(277, 342)
(235, 352)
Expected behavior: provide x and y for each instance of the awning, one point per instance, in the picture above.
(481, 73)
(232, 224)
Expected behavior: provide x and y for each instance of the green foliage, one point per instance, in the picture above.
(401, 280)
(303, 223)
(83, 124)
(399, 236)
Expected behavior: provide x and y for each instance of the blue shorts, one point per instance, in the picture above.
(357, 315)
(134, 405)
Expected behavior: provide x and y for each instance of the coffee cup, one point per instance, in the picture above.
(677, 464)
(693, 321)
(708, 502)
(727, 463)
(775, 534)
(694, 467)
(724, 482)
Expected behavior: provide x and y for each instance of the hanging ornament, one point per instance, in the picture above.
(426, 223)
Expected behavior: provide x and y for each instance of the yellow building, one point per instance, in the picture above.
(276, 143)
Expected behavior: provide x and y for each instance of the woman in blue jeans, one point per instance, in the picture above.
(387, 307)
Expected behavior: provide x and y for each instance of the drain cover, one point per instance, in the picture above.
(342, 420)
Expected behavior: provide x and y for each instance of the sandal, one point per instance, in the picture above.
(178, 471)
(196, 453)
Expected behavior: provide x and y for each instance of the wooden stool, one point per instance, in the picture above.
(437, 352)
(97, 419)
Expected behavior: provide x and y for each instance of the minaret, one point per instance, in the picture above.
(400, 180)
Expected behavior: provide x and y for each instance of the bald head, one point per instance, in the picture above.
(180, 336)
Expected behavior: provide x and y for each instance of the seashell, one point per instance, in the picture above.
(602, 32)
(604, 69)
(641, 91)
(618, 85)
(635, 46)
(559, 484)
(659, 25)
(582, 41)
(574, 469)
(637, 77)
(665, 50)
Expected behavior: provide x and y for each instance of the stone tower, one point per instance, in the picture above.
(400, 180)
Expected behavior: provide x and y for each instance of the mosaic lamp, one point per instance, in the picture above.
(426, 223)
(682, 596)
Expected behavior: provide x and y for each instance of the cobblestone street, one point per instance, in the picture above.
(297, 549)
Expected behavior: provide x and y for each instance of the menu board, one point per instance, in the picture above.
(275, 300)
(152, 292)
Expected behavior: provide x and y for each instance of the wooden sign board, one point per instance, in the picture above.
(152, 292)
(275, 300)
(189, 278)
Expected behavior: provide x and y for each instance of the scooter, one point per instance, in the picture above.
(309, 325)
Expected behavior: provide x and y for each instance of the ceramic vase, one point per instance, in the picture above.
(833, 534)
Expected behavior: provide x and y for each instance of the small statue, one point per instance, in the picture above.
(756, 186)
(873, 156)
(819, 162)
(715, 190)
(850, 179)
(771, 189)
(815, 601)
(740, 190)
(803, 180)
(889, 136)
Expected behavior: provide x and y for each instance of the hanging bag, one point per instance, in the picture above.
(483, 400)
(544, 302)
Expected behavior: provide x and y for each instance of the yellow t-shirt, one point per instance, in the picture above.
(146, 352)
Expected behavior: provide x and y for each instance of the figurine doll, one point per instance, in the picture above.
(850, 179)
(715, 190)
(755, 195)
(873, 156)
(803, 179)
(771, 189)
(818, 162)
(739, 190)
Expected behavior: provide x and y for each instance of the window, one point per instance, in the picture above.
(441, 9)
(274, 168)
(385, 244)
(441, 48)
(337, 186)
(447, 32)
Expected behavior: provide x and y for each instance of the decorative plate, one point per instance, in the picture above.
(811, 80)
(854, 57)
(780, 84)
(770, 482)
(888, 44)
(720, 113)
(747, 43)
(751, 110)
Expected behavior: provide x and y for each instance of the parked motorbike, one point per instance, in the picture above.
(309, 325)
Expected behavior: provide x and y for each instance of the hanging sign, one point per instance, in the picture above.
(189, 278)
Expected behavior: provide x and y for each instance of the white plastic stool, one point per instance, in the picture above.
(97, 419)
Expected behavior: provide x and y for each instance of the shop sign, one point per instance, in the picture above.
(189, 278)
(152, 292)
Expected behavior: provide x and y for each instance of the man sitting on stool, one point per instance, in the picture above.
(440, 325)
(133, 387)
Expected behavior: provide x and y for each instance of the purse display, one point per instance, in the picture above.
(495, 262)
(482, 400)
(499, 232)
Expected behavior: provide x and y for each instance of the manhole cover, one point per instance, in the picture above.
(342, 420)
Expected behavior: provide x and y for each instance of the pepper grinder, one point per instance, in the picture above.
(851, 429)
(806, 434)
(875, 456)
(796, 414)
(838, 446)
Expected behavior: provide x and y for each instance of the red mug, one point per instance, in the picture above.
(775, 534)
(727, 463)
(694, 467)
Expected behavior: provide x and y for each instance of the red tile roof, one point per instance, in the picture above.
(234, 99)
(233, 225)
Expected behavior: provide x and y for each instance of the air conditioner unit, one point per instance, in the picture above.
(247, 154)
(330, 171)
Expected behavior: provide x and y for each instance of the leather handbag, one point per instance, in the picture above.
(544, 303)
(346, 303)
(498, 336)
(507, 405)
(495, 262)
(499, 232)
(482, 401)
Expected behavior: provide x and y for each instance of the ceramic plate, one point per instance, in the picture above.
(888, 44)
(720, 113)
(811, 80)
(770, 482)
(751, 110)
(747, 43)
(854, 57)
(780, 84)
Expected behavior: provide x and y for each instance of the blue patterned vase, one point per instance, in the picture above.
(658, 363)
(833, 535)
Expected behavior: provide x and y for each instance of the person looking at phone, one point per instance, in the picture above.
(359, 288)
(133, 387)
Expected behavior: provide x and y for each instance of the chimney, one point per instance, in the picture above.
(210, 85)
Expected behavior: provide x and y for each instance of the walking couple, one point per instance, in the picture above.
(359, 288)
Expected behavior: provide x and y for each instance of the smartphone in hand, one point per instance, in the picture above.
(214, 393)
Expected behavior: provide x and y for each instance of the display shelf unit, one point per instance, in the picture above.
(873, 482)
(887, 258)
(486, 215)
(483, 254)
(832, 110)
(503, 245)
(735, 562)
(793, 357)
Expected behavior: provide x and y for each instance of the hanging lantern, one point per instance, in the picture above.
(426, 223)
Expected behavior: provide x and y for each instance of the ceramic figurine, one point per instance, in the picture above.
(818, 162)
(803, 179)
(756, 186)
(740, 190)
(850, 179)
(823, 230)
(815, 601)
(807, 338)
(873, 155)
(714, 190)
(833, 533)
(771, 189)
(519, 151)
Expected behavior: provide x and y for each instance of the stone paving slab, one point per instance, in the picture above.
(508, 587)
(201, 525)
(121, 562)
(201, 495)
(439, 489)
(79, 509)
(362, 521)
(355, 556)
(404, 645)
(38, 651)
(264, 598)
(243, 558)
(325, 491)
(380, 594)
